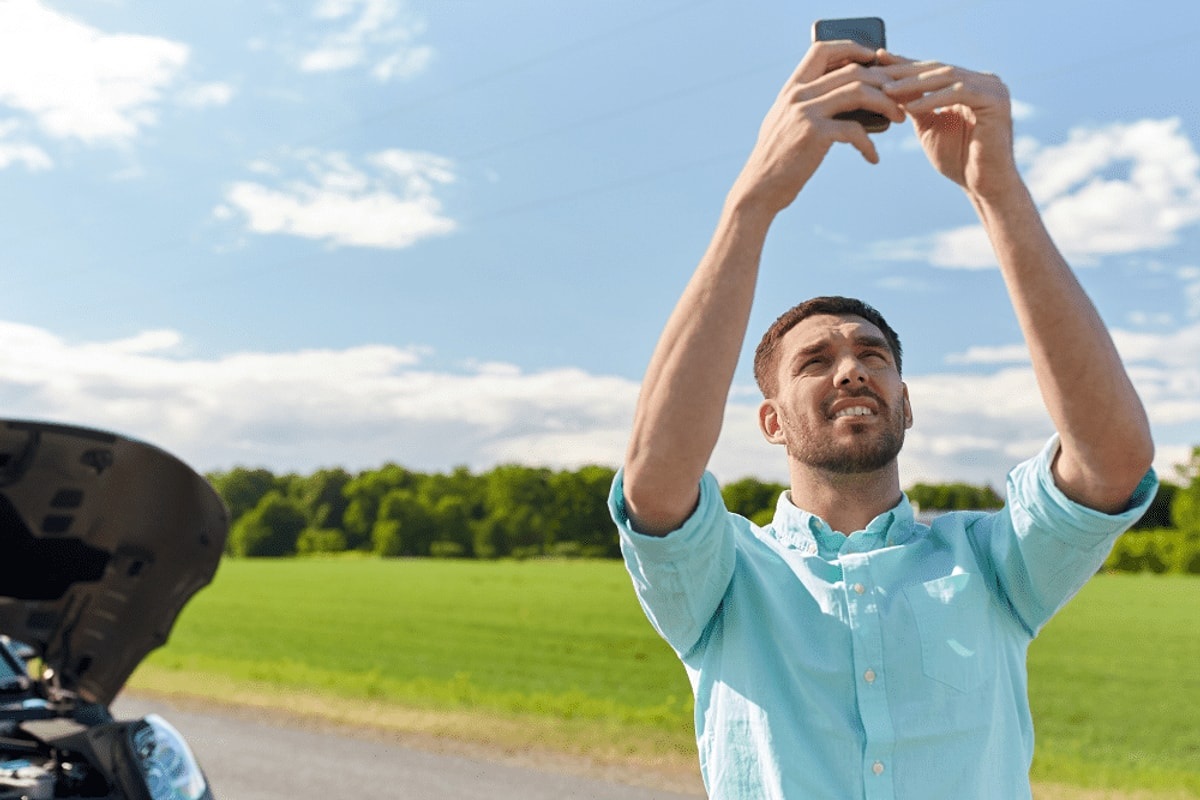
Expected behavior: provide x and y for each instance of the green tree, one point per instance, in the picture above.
(518, 520)
(320, 540)
(753, 499)
(404, 526)
(1185, 506)
(458, 505)
(1158, 515)
(363, 495)
(322, 495)
(242, 488)
(579, 512)
(452, 522)
(954, 496)
(271, 528)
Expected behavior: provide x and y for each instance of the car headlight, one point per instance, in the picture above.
(167, 764)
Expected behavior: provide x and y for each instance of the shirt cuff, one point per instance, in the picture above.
(678, 541)
(1033, 487)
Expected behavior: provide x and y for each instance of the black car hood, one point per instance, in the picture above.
(102, 541)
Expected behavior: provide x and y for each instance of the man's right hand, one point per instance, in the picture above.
(682, 403)
(834, 77)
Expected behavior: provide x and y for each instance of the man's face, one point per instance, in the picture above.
(841, 406)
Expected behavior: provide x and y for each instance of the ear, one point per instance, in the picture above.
(908, 414)
(769, 422)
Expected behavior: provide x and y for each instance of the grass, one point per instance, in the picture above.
(527, 652)
(1115, 688)
(557, 655)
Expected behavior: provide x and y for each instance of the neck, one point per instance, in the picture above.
(847, 502)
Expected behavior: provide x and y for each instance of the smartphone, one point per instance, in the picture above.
(866, 31)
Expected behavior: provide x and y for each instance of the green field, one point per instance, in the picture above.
(557, 654)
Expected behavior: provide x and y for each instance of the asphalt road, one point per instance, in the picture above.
(267, 758)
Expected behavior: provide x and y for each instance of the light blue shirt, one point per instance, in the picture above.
(889, 663)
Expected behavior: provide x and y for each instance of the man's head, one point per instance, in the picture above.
(766, 357)
(830, 373)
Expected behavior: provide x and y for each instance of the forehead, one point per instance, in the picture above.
(829, 329)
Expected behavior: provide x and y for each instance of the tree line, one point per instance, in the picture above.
(515, 511)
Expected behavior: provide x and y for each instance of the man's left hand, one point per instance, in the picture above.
(963, 119)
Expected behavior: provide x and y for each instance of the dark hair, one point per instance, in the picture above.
(766, 357)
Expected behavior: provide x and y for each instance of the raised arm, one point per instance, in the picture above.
(679, 412)
(964, 121)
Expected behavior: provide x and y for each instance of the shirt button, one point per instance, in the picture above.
(877, 768)
(869, 677)
(859, 588)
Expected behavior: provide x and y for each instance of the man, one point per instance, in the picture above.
(845, 651)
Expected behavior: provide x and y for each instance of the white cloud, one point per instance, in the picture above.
(1005, 354)
(1022, 110)
(358, 406)
(1121, 188)
(1191, 289)
(13, 151)
(206, 95)
(1150, 319)
(1005, 416)
(1180, 348)
(393, 206)
(976, 427)
(370, 33)
(77, 82)
(361, 406)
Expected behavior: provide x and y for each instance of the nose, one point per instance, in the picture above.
(850, 372)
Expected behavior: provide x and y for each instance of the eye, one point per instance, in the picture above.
(875, 357)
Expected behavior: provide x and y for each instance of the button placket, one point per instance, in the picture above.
(862, 599)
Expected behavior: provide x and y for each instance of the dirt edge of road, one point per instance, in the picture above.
(515, 741)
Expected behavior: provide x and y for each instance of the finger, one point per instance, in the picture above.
(923, 77)
(825, 56)
(912, 79)
(857, 76)
(855, 135)
(904, 67)
(858, 89)
(953, 90)
(888, 59)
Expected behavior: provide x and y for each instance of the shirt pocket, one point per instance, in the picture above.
(954, 623)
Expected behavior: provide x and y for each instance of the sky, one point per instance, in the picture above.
(326, 233)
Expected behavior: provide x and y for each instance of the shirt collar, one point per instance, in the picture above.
(797, 529)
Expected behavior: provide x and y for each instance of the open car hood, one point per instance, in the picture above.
(102, 541)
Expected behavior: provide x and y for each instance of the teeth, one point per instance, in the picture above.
(854, 411)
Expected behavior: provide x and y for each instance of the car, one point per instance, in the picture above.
(103, 540)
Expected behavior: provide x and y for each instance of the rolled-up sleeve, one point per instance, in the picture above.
(1044, 546)
(679, 578)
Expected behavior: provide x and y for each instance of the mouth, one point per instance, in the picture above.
(855, 411)
(863, 403)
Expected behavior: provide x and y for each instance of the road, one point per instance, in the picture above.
(266, 758)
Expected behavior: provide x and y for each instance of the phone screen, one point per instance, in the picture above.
(867, 31)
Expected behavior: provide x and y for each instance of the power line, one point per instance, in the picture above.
(1107, 57)
(510, 69)
(621, 111)
(620, 183)
(647, 176)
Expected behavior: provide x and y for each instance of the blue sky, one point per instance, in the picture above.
(342, 232)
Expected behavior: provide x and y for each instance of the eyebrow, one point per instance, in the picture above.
(870, 340)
